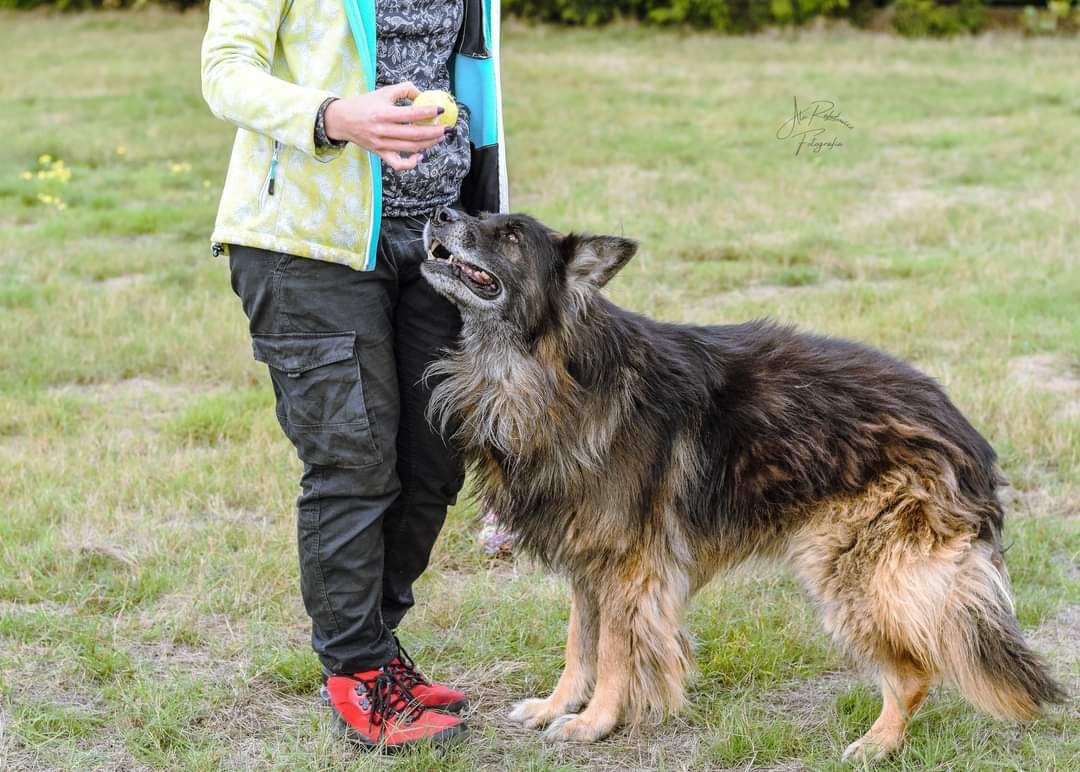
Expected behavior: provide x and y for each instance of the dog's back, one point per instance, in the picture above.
(793, 418)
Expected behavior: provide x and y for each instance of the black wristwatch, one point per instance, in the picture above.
(321, 140)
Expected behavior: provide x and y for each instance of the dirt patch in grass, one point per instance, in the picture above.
(17, 446)
(917, 202)
(163, 658)
(133, 406)
(50, 713)
(50, 607)
(257, 720)
(767, 291)
(674, 744)
(124, 281)
(1057, 639)
(121, 391)
(1040, 501)
(1051, 374)
(808, 702)
(12, 753)
(897, 203)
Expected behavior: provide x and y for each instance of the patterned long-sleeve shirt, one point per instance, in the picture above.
(415, 40)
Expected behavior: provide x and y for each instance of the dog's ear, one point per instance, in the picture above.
(595, 259)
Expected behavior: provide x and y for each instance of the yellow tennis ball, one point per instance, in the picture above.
(439, 99)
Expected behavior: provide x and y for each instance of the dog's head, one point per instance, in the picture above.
(515, 269)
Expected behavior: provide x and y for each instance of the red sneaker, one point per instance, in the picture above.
(432, 696)
(376, 710)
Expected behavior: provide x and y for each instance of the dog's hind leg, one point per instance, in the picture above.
(907, 583)
(882, 570)
(903, 689)
(576, 682)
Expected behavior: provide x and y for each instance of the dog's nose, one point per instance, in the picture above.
(444, 215)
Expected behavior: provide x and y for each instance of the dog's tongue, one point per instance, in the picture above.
(480, 277)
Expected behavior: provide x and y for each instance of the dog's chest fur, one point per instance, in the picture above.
(545, 470)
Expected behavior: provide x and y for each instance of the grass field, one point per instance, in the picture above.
(150, 614)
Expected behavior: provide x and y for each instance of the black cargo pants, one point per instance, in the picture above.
(346, 351)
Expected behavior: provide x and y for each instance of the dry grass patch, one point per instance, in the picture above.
(1053, 374)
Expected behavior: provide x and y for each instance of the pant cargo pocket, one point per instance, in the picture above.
(320, 397)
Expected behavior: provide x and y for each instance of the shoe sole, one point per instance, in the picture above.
(453, 707)
(445, 737)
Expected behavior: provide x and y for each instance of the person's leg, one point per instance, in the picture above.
(326, 333)
(430, 471)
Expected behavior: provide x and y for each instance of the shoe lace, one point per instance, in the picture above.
(391, 699)
(405, 670)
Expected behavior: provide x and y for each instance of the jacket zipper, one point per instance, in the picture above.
(273, 168)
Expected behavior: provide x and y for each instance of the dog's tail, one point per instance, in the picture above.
(981, 648)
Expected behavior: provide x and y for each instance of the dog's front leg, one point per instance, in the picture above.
(576, 681)
(612, 683)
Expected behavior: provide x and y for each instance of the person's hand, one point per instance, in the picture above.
(375, 123)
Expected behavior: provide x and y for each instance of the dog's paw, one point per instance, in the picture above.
(577, 727)
(865, 750)
(534, 713)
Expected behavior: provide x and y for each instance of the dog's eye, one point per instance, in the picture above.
(512, 237)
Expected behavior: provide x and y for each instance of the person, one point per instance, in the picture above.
(332, 178)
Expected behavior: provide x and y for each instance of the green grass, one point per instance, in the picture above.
(149, 605)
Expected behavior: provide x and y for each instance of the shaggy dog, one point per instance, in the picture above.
(639, 458)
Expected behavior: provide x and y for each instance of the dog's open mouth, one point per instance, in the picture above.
(482, 283)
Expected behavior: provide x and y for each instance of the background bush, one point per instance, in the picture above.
(925, 18)
(1057, 16)
(720, 15)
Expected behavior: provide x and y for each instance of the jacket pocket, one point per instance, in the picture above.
(320, 397)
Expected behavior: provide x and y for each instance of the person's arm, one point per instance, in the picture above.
(237, 54)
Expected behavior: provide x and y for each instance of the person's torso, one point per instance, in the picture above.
(323, 208)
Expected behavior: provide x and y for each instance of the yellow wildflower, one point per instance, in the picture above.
(45, 198)
(45, 159)
(121, 150)
(26, 176)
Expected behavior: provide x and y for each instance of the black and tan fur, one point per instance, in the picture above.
(639, 458)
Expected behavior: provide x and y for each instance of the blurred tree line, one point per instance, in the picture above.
(723, 15)
(83, 5)
(915, 18)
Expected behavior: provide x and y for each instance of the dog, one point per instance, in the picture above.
(640, 458)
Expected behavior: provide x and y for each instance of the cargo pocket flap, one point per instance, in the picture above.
(296, 353)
